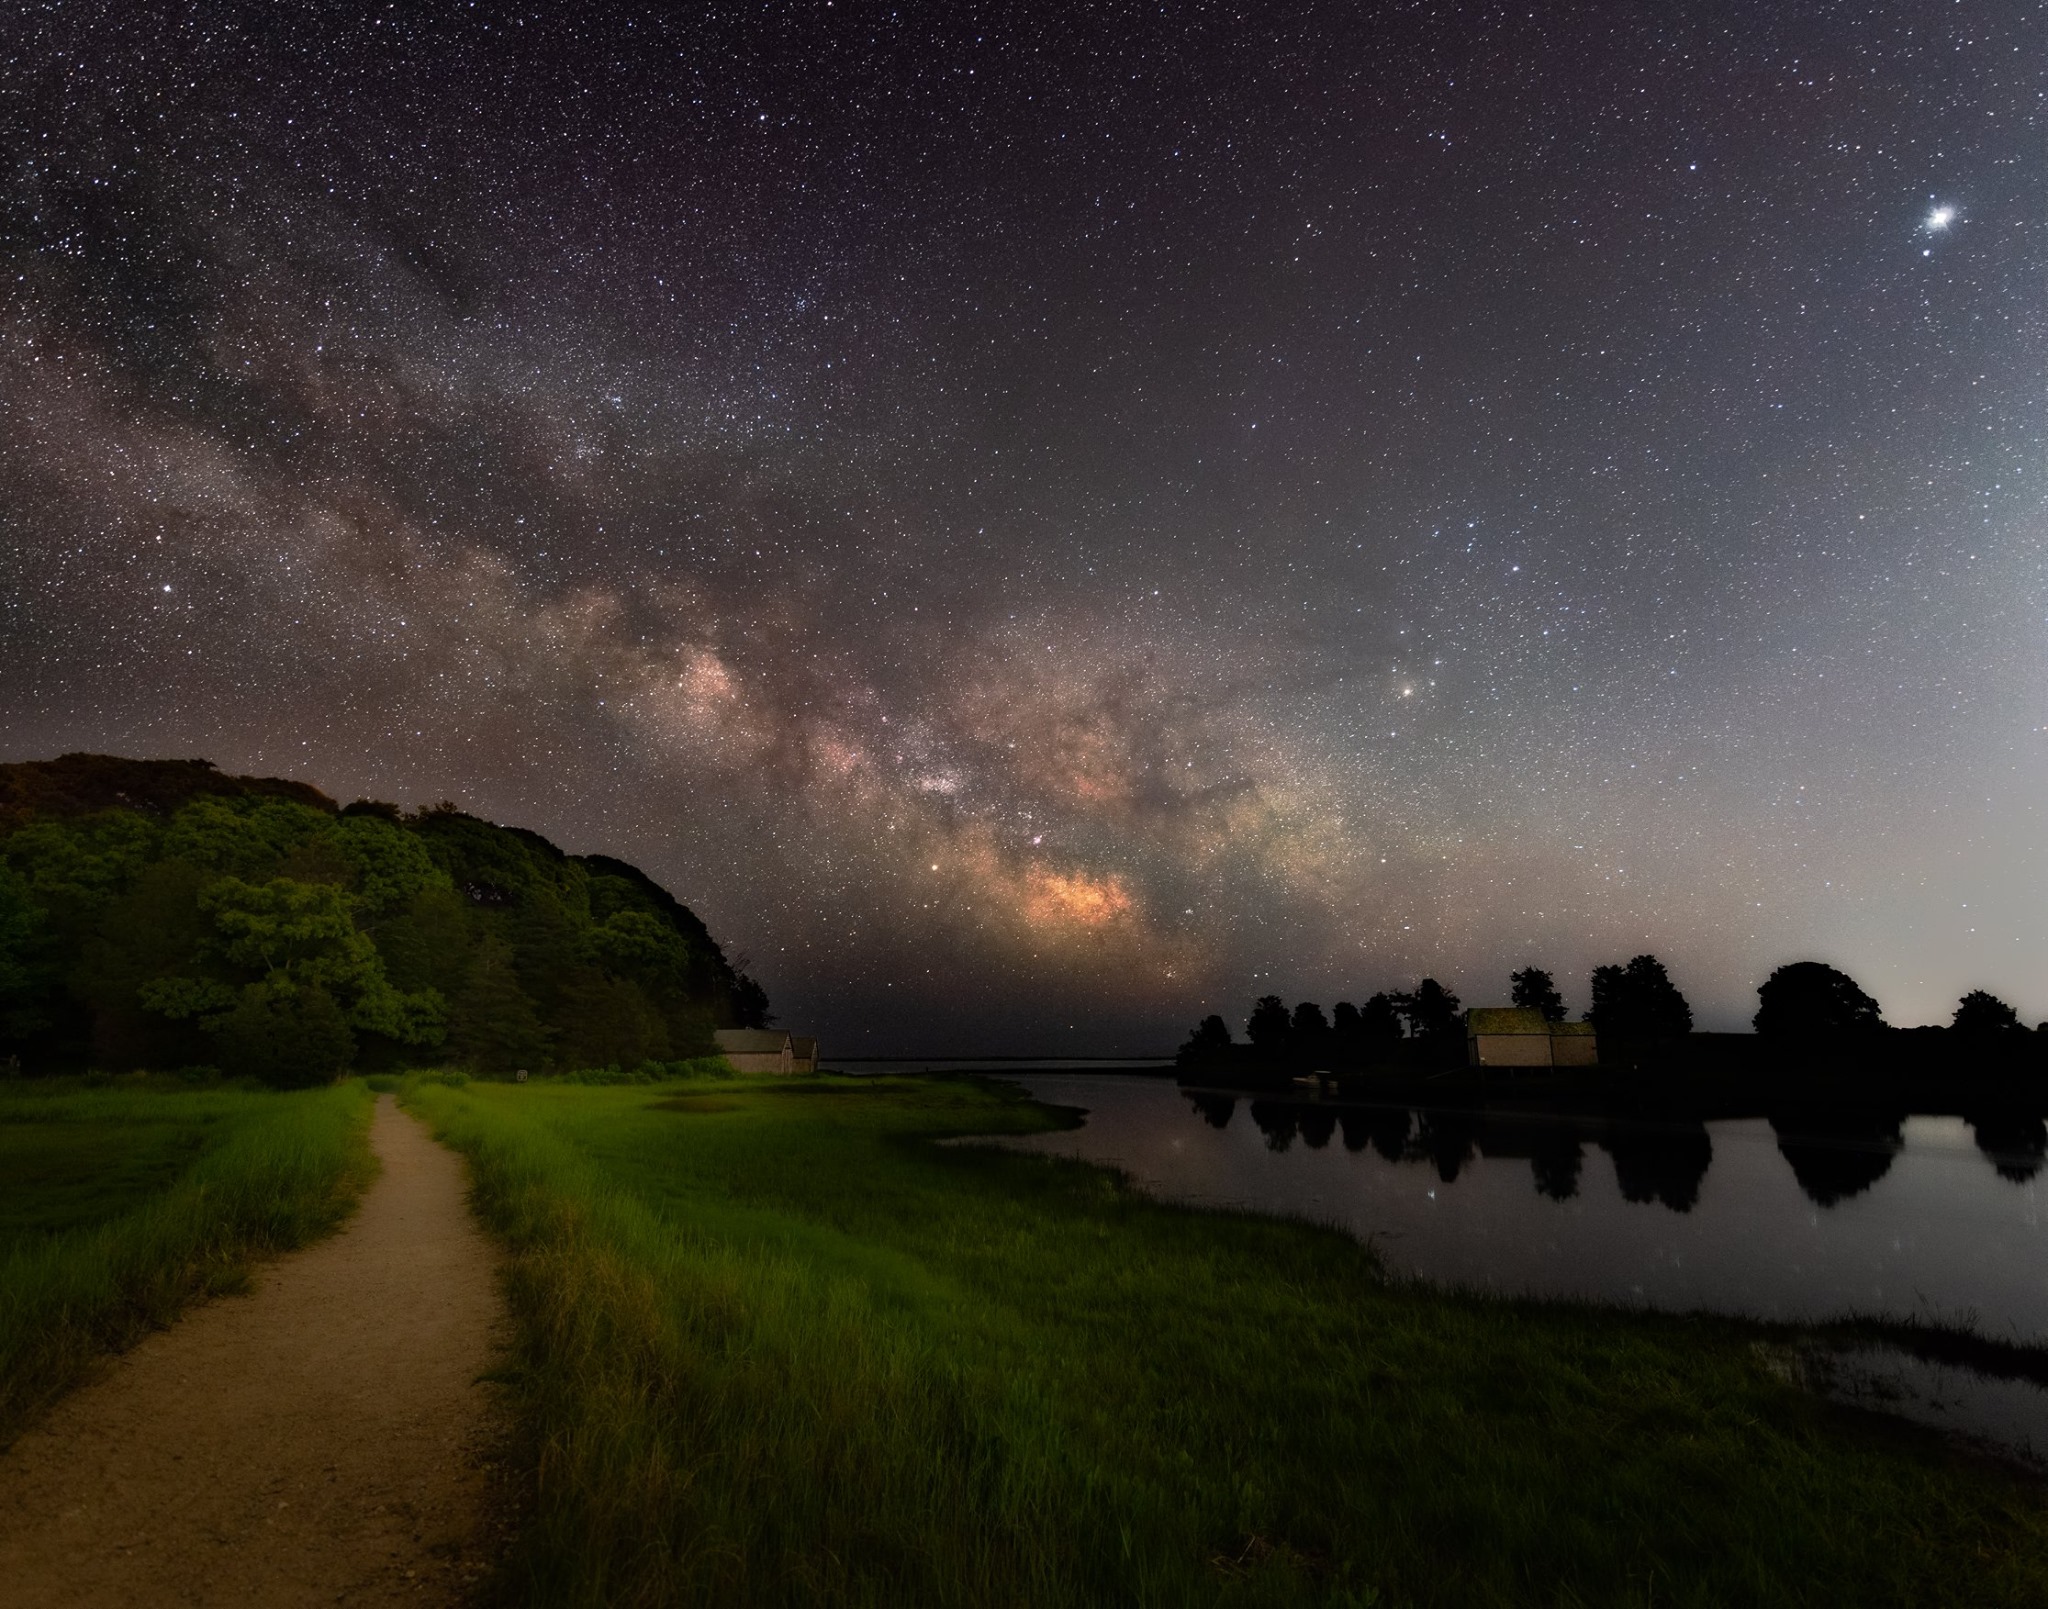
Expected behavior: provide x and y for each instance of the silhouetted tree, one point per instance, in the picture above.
(1318, 1123)
(1811, 1001)
(1535, 990)
(1308, 1035)
(1379, 1024)
(1638, 1002)
(1980, 1015)
(1267, 1026)
(1432, 1015)
(1208, 1045)
(1347, 1041)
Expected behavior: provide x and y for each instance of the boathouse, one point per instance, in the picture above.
(767, 1050)
(1520, 1036)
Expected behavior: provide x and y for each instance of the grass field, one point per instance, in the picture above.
(781, 1349)
(119, 1205)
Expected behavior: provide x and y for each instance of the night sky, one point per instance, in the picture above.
(1040, 522)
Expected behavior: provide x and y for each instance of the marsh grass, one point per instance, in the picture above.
(120, 1205)
(780, 1349)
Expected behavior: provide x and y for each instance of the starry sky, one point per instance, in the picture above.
(1043, 521)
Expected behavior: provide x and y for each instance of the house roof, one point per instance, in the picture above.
(1505, 1020)
(752, 1041)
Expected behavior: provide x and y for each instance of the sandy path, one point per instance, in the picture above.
(319, 1440)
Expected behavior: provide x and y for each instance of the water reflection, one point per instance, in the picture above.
(1838, 1151)
(1835, 1152)
(1807, 1212)
(2016, 1142)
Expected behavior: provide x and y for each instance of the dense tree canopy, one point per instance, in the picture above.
(1809, 1000)
(1535, 990)
(1638, 1002)
(1982, 1015)
(158, 914)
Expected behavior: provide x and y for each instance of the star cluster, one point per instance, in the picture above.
(1043, 522)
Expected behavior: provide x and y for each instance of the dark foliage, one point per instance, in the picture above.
(1838, 1151)
(1379, 1024)
(159, 914)
(1810, 1001)
(1664, 1162)
(1216, 1110)
(2015, 1139)
(1208, 1046)
(1535, 990)
(1268, 1025)
(1984, 1016)
(1638, 1003)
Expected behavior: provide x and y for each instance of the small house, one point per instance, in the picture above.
(1520, 1036)
(767, 1050)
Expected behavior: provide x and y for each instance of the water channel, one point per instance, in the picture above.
(1803, 1216)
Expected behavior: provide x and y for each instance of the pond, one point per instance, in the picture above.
(1800, 1216)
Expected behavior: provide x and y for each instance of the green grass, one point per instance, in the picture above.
(118, 1206)
(781, 1349)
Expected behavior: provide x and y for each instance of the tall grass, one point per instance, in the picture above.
(779, 1349)
(272, 1171)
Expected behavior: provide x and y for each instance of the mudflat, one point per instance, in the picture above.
(323, 1439)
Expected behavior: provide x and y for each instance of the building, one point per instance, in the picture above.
(767, 1050)
(1518, 1036)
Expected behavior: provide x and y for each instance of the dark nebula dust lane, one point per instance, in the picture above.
(1043, 522)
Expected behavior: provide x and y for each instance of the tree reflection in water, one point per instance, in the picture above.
(1555, 1160)
(1278, 1121)
(1663, 1161)
(1446, 1138)
(1838, 1151)
(2015, 1141)
(1216, 1110)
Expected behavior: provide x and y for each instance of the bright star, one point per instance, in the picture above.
(1939, 219)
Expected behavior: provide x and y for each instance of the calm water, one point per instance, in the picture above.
(1816, 1218)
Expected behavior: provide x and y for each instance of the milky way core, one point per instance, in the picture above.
(1040, 523)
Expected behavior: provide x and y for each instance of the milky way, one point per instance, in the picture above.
(1043, 522)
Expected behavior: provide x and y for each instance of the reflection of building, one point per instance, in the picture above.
(767, 1050)
(1518, 1036)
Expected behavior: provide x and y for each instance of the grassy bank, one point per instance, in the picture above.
(780, 1349)
(119, 1205)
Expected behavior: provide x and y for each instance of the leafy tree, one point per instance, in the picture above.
(1431, 1010)
(1811, 1001)
(1638, 1002)
(1308, 1033)
(1268, 1024)
(23, 959)
(1209, 1042)
(1535, 990)
(288, 1034)
(1379, 1021)
(148, 906)
(496, 1028)
(1981, 1015)
(247, 838)
(1347, 1037)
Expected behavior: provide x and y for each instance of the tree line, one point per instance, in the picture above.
(1806, 1007)
(157, 914)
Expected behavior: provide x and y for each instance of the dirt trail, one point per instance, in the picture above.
(319, 1440)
